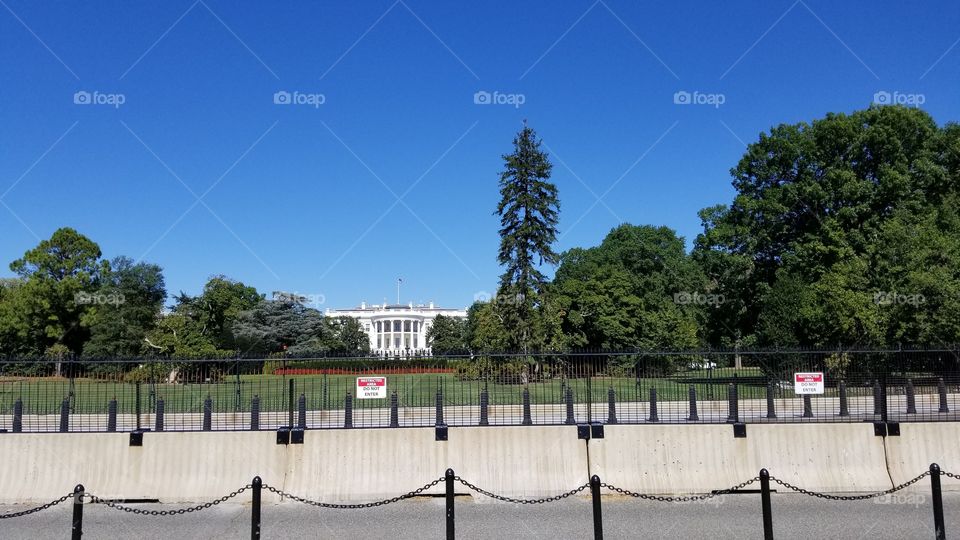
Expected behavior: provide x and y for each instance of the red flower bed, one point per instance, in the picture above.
(340, 371)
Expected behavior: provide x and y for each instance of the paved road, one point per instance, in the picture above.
(905, 516)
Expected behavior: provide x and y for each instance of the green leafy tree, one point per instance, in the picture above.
(345, 336)
(529, 211)
(447, 335)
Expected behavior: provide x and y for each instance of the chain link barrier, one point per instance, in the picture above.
(849, 497)
(407, 495)
(951, 475)
(50, 504)
(685, 498)
(144, 512)
(521, 501)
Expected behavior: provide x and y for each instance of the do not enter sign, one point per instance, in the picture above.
(808, 383)
(371, 387)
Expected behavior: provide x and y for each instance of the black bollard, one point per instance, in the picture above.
(302, 412)
(448, 481)
(569, 399)
(938, 527)
(65, 415)
(597, 515)
(257, 485)
(77, 528)
(18, 416)
(733, 404)
(207, 413)
(942, 392)
(771, 406)
(694, 417)
(807, 406)
(844, 411)
(394, 410)
(255, 413)
(439, 414)
(348, 411)
(527, 419)
(765, 504)
(911, 398)
(653, 406)
(158, 421)
(877, 399)
(611, 406)
(112, 415)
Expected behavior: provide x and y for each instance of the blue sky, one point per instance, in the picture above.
(395, 172)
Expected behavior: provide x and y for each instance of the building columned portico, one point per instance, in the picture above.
(395, 328)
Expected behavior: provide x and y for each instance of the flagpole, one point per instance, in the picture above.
(398, 290)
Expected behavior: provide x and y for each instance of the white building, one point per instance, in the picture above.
(396, 328)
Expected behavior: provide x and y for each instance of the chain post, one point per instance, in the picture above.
(765, 504)
(451, 528)
(653, 406)
(692, 393)
(394, 410)
(112, 415)
(771, 405)
(208, 413)
(939, 532)
(65, 415)
(611, 406)
(77, 527)
(844, 410)
(255, 413)
(597, 516)
(942, 394)
(158, 421)
(257, 484)
(527, 420)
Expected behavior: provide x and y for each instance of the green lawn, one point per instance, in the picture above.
(44, 395)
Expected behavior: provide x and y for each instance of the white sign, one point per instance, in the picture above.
(371, 387)
(808, 383)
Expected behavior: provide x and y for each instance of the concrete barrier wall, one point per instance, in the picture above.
(683, 459)
(362, 465)
(921, 444)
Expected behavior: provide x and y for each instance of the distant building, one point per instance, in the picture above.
(396, 328)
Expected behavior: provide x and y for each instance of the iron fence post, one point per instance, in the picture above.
(137, 404)
(653, 406)
(765, 504)
(942, 394)
(255, 413)
(158, 421)
(611, 406)
(395, 410)
(77, 527)
(255, 509)
(807, 406)
(348, 411)
(451, 528)
(65, 415)
(589, 399)
(302, 411)
(112, 415)
(438, 421)
(208, 413)
(733, 405)
(569, 399)
(597, 515)
(911, 397)
(18, 416)
(290, 399)
(877, 399)
(692, 393)
(771, 405)
(940, 533)
(844, 411)
(527, 419)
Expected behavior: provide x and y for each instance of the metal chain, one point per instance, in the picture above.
(407, 495)
(521, 501)
(97, 500)
(849, 497)
(685, 498)
(50, 504)
(951, 475)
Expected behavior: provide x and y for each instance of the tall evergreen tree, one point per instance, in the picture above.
(529, 210)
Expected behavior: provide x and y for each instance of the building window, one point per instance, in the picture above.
(379, 342)
(415, 345)
(396, 342)
(406, 326)
(406, 341)
(379, 327)
(416, 326)
(396, 326)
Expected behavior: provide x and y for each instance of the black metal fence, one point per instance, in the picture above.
(450, 479)
(627, 387)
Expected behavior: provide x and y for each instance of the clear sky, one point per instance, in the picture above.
(385, 166)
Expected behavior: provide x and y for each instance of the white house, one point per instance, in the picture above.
(394, 328)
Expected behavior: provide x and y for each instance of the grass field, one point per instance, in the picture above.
(44, 395)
